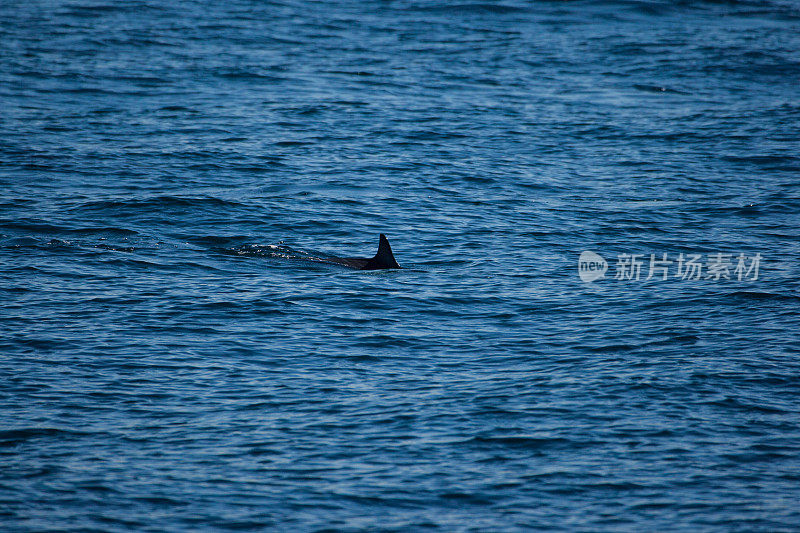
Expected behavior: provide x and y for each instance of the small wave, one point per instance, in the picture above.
(656, 89)
(218, 241)
(292, 143)
(43, 228)
(12, 437)
(158, 202)
(521, 441)
(109, 230)
(261, 250)
(352, 72)
(29, 225)
(245, 75)
(429, 135)
(768, 162)
(734, 403)
(756, 295)
(612, 348)
(160, 501)
(269, 166)
(177, 108)
(111, 247)
(473, 9)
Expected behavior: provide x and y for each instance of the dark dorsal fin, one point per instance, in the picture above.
(384, 258)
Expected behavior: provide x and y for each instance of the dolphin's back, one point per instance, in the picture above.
(384, 258)
(353, 262)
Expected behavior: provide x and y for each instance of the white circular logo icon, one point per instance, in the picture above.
(591, 266)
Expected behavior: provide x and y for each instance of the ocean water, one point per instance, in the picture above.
(175, 357)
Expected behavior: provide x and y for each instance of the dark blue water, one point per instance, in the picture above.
(175, 358)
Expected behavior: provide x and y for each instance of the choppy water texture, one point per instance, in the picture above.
(174, 357)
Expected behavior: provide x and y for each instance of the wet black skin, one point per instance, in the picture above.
(384, 258)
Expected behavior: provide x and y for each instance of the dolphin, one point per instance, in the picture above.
(384, 258)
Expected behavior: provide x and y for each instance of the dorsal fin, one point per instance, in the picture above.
(384, 258)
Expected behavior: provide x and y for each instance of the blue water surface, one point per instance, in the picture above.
(176, 358)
